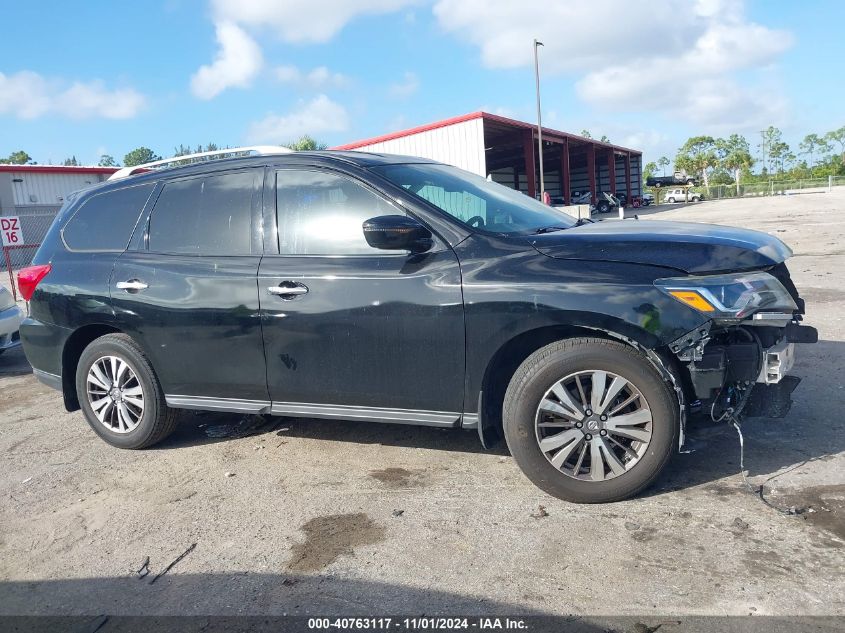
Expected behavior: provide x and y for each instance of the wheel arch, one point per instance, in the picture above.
(510, 355)
(72, 350)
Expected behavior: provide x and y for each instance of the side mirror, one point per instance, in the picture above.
(397, 232)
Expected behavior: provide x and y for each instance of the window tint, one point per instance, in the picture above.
(204, 216)
(320, 213)
(473, 200)
(104, 222)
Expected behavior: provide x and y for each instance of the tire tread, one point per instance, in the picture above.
(164, 423)
(536, 362)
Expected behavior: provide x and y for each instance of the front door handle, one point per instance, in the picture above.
(132, 285)
(288, 290)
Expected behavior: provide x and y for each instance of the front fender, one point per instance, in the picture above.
(509, 296)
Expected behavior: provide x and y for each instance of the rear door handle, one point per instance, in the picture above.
(288, 290)
(132, 285)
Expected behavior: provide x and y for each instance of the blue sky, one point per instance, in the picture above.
(105, 77)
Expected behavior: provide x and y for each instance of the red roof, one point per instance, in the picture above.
(469, 117)
(57, 169)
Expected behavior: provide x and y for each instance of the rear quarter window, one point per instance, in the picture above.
(104, 222)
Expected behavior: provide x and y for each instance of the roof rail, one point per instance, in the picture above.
(254, 149)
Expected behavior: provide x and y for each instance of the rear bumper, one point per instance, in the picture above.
(43, 344)
(10, 323)
(51, 380)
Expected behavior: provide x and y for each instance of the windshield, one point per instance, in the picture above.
(476, 202)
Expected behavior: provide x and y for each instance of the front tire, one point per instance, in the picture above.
(671, 200)
(120, 395)
(602, 440)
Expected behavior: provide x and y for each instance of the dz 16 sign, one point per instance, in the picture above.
(10, 230)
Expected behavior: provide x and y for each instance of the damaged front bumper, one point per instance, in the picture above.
(744, 364)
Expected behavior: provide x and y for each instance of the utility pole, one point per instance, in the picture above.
(539, 119)
(763, 148)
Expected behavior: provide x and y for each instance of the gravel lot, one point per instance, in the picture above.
(323, 517)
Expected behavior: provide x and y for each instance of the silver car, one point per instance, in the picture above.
(10, 321)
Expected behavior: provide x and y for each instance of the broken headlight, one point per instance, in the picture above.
(732, 296)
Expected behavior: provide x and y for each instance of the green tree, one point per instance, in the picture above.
(773, 148)
(306, 144)
(663, 162)
(139, 156)
(70, 162)
(586, 134)
(837, 136)
(734, 154)
(697, 156)
(812, 145)
(778, 152)
(649, 170)
(18, 158)
(604, 139)
(107, 160)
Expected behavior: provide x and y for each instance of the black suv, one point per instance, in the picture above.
(393, 289)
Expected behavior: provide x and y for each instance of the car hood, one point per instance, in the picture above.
(687, 246)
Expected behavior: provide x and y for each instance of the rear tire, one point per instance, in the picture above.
(671, 200)
(603, 206)
(542, 373)
(120, 395)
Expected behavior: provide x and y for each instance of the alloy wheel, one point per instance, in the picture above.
(115, 394)
(593, 425)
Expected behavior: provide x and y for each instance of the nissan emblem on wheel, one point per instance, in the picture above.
(379, 288)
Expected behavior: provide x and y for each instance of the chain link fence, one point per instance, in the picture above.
(771, 188)
(34, 224)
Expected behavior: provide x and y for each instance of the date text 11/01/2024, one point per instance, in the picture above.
(418, 623)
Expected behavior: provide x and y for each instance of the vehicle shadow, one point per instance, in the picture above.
(13, 363)
(198, 428)
(814, 429)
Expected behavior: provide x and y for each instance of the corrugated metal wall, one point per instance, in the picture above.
(460, 144)
(49, 189)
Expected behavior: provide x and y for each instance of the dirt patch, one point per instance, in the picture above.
(822, 295)
(644, 535)
(399, 477)
(329, 537)
(23, 394)
(821, 506)
(766, 564)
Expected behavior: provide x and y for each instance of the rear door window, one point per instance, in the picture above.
(105, 221)
(209, 215)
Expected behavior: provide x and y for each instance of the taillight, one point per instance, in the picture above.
(29, 278)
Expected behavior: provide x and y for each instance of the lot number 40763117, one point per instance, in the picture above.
(10, 229)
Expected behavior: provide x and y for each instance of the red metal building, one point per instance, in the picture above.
(506, 150)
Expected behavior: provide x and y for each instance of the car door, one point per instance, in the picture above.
(351, 331)
(187, 291)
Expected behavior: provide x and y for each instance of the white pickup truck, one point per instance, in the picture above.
(681, 195)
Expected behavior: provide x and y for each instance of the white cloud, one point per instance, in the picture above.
(302, 21)
(318, 79)
(315, 117)
(237, 62)
(403, 89)
(28, 95)
(685, 59)
(239, 57)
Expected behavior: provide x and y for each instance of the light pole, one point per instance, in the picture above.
(539, 119)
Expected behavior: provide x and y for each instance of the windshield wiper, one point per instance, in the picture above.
(583, 221)
(549, 229)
